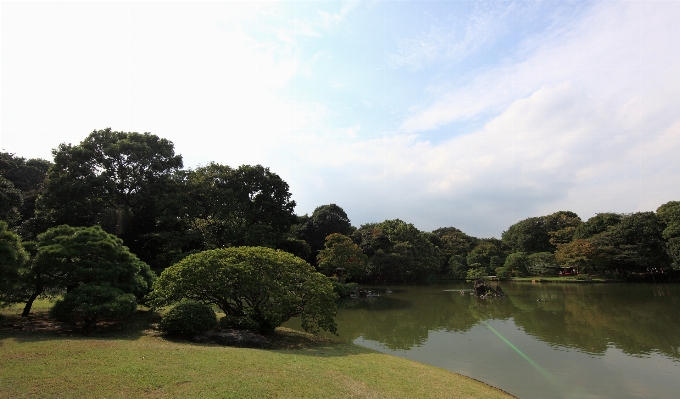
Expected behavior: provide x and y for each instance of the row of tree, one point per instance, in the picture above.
(609, 243)
(134, 186)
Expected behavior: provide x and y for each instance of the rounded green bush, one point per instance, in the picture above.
(188, 318)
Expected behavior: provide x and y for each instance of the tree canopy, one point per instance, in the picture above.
(325, 220)
(341, 252)
(669, 214)
(249, 205)
(10, 202)
(489, 253)
(533, 234)
(112, 179)
(12, 261)
(597, 224)
(263, 285)
(397, 251)
(132, 185)
(634, 244)
(70, 257)
(26, 176)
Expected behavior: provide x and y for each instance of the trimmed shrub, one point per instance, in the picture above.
(270, 286)
(90, 303)
(188, 318)
(475, 272)
(344, 290)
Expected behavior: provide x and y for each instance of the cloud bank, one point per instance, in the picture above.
(578, 111)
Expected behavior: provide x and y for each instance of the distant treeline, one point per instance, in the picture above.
(134, 186)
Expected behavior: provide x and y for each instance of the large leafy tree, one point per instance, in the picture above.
(542, 263)
(634, 244)
(579, 254)
(10, 202)
(69, 258)
(516, 264)
(325, 220)
(263, 285)
(597, 224)
(669, 214)
(113, 179)
(341, 252)
(27, 176)
(12, 261)
(249, 205)
(398, 251)
(533, 234)
(453, 241)
(489, 253)
(454, 246)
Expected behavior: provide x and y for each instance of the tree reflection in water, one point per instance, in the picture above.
(639, 319)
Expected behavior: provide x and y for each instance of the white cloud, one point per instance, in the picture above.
(618, 52)
(193, 75)
(454, 39)
(329, 20)
(588, 122)
(586, 117)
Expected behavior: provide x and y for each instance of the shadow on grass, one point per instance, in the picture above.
(38, 326)
(285, 340)
(282, 340)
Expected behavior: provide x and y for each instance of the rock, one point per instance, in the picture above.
(232, 337)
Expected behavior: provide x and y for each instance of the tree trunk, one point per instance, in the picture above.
(29, 303)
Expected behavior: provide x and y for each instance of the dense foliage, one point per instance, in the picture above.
(68, 258)
(341, 253)
(112, 179)
(669, 214)
(248, 205)
(90, 303)
(12, 261)
(264, 285)
(188, 318)
(397, 252)
(10, 202)
(534, 234)
(325, 220)
(21, 181)
(86, 226)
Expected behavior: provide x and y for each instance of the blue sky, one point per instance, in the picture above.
(467, 114)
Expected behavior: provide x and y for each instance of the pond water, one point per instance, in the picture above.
(542, 341)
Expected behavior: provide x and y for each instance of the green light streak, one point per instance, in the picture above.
(551, 378)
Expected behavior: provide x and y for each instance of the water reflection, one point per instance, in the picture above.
(637, 319)
(542, 341)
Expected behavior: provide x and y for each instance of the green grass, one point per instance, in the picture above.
(133, 361)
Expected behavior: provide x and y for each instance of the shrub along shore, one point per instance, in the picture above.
(134, 360)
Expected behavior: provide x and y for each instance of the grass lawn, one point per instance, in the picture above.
(134, 361)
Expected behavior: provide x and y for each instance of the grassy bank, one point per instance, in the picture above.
(134, 361)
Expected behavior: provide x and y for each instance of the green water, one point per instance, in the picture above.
(542, 341)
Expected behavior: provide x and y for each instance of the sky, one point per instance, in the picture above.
(468, 114)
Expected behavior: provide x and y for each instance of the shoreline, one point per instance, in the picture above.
(137, 361)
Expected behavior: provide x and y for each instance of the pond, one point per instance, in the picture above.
(544, 340)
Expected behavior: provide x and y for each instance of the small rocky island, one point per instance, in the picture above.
(484, 290)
